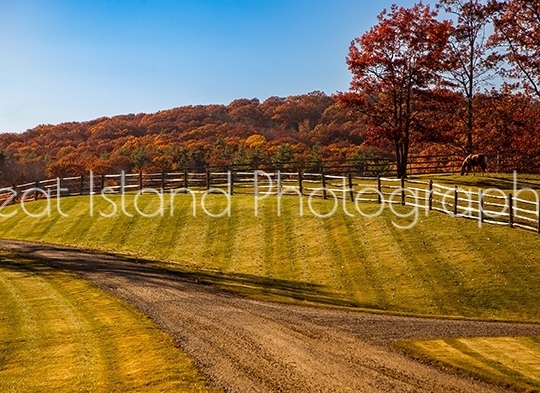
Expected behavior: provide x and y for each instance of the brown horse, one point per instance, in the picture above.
(473, 160)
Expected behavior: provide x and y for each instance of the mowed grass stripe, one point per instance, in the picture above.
(359, 277)
(170, 233)
(84, 344)
(507, 361)
(338, 240)
(513, 281)
(62, 334)
(286, 242)
(457, 266)
(489, 275)
(220, 241)
(441, 266)
(435, 276)
(13, 329)
(378, 289)
(10, 321)
(140, 237)
(391, 272)
(278, 245)
(248, 240)
(41, 337)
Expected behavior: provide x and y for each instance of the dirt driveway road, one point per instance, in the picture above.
(246, 345)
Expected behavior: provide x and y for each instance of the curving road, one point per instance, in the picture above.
(246, 345)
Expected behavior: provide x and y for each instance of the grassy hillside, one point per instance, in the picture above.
(441, 266)
(58, 333)
(507, 361)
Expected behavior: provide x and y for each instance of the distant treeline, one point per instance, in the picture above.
(247, 131)
(304, 128)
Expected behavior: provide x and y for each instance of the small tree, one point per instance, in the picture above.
(284, 155)
(139, 157)
(393, 65)
(471, 62)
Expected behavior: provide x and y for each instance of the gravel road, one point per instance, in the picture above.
(245, 345)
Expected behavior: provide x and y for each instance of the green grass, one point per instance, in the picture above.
(58, 333)
(512, 362)
(503, 181)
(441, 266)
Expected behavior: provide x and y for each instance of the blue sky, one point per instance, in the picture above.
(78, 60)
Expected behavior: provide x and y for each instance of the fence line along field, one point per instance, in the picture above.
(511, 203)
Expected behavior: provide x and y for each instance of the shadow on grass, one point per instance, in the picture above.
(35, 258)
(503, 182)
(504, 376)
(201, 291)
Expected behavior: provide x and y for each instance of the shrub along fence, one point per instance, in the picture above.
(494, 206)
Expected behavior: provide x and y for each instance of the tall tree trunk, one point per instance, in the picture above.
(402, 152)
(470, 96)
(398, 159)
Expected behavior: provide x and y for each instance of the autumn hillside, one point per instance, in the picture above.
(307, 127)
(244, 131)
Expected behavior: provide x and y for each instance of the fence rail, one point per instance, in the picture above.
(506, 162)
(494, 208)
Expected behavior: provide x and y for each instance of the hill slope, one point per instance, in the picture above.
(441, 266)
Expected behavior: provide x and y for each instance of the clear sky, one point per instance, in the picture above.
(75, 60)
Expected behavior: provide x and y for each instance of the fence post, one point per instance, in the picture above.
(300, 187)
(511, 210)
(36, 192)
(208, 179)
(140, 181)
(351, 191)
(102, 182)
(58, 188)
(323, 182)
(255, 182)
(230, 176)
(403, 190)
(122, 182)
(379, 187)
(456, 200)
(162, 182)
(480, 206)
(82, 184)
(538, 216)
(185, 181)
(430, 197)
(91, 184)
(279, 182)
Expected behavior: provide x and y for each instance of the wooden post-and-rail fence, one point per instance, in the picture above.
(494, 208)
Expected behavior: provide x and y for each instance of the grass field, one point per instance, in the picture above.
(442, 266)
(507, 361)
(58, 333)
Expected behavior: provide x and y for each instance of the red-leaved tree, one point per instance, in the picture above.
(517, 30)
(393, 65)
